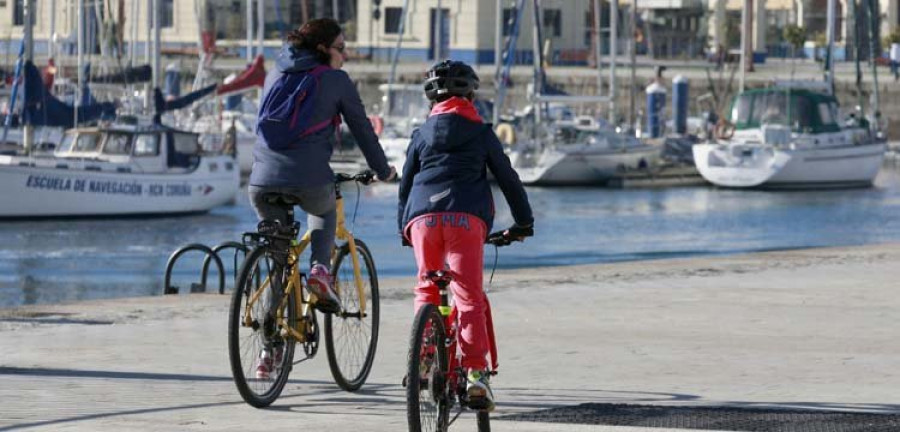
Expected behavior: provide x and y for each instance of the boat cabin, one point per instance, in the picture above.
(801, 110)
(147, 149)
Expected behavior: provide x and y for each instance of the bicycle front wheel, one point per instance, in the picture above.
(427, 404)
(351, 335)
(260, 354)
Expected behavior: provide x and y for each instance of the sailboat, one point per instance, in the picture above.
(571, 150)
(792, 135)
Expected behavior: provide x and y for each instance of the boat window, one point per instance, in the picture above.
(87, 142)
(117, 144)
(66, 145)
(827, 112)
(405, 103)
(802, 113)
(740, 111)
(770, 108)
(146, 145)
(186, 143)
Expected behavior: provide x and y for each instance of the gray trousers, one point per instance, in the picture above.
(320, 207)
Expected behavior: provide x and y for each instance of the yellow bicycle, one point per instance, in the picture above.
(271, 312)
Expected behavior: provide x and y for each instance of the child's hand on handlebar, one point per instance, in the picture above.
(511, 234)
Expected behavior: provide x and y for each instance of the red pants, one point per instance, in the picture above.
(455, 241)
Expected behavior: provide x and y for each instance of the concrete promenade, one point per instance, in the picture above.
(813, 329)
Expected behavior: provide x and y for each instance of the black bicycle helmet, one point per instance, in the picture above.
(450, 78)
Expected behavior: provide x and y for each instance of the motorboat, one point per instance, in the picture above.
(118, 169)
(579, 152)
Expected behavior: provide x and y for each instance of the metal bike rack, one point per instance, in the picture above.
(238, 247)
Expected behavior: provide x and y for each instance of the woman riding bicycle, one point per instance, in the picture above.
(301, 169)
(446, 208)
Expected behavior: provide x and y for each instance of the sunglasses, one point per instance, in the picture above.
(340, 48)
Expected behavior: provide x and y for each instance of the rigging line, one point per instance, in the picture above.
(494, 267)
(356, 207)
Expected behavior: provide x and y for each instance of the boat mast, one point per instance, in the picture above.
(396, 57)
(51, 44)
(633, 54)
(538, 66)
(156, 43)
(498, 36)
(829, 62)
(260, 27)
(873, 44)
(28, 130)
(148, 88)
(613, 45)
(250, 31)
(507, 56)
(745, 39)
(80, 59)
(854, 14)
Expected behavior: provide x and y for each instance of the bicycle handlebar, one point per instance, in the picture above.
(365, 177)
(509, 235)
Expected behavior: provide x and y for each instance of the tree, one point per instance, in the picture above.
(892, 37)
(796, 36)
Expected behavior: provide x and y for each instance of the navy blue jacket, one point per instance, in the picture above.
(306, 164)
(446, 171)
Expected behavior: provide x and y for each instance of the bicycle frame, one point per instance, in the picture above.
(451, 315)
(295, 279)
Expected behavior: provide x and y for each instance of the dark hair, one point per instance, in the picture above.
(320, 31)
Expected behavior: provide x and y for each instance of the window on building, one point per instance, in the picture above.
(508, 17)
(19, 13)
(392, 16)
(553, 22)
(166, 14)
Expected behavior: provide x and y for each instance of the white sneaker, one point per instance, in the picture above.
(478, 388)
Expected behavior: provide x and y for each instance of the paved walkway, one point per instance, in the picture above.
(814, 329)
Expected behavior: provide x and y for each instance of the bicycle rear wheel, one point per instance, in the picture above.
(351, 336)
(484, 421)
(254, 336)
(427, 404)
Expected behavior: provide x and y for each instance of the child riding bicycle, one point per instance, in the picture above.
(446, 208)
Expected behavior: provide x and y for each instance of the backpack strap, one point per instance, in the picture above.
(317, 72)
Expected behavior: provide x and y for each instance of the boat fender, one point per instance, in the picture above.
(506, 134)
(377, 124)
(724, 129)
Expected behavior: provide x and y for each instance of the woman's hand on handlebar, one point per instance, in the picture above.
(391, 176)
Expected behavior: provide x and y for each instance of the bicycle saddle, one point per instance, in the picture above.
(280, 199)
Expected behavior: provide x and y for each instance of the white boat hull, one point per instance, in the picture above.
(768, 166)
(556, 167)
(48, 191)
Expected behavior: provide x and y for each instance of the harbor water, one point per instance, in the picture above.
(55, 261)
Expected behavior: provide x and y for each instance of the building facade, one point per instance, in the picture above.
(463, 29)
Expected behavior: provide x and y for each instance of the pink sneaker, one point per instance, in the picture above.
(320, 283)
(266, 364)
